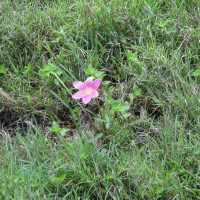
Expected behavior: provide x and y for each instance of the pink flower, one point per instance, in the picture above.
(87, 90)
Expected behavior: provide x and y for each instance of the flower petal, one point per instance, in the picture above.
(79, 85)
(78, 95)
(89, 81)
(87, 99)
(96, 84)
(95, 94)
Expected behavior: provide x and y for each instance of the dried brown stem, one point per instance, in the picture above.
(90, 11)
(6, 95)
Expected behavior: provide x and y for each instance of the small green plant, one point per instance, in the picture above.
(93, 138)
(90, 71)
(136, 92)
(132, 56)
(115, 108)
(50, 71)
(3, 69)
(164, 26)
(56, 129)
(196, 72)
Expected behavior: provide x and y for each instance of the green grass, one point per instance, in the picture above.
(140, 139)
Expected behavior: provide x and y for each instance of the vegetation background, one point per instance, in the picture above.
(140, 138)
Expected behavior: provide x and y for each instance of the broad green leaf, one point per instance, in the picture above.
(3, 70)
(116, 106)
(90, 70)
(163, 24)
(59, 179)
(90, 134)
(56, 81)
(105, 83)
(98, 136)
(159, 190)
(49, 69)
(169, 31)
(29, 68)
(99, 74)
(137, 90)
(55, 127)
(91, 140)
(197, 72)
(132, 56)
(63, 131)
(107, 121)
(126, 115)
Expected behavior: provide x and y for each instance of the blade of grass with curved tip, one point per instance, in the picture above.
(66, 103)
(67, 71)
(63, 84)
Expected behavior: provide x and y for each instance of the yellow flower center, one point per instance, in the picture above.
(87, 91)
